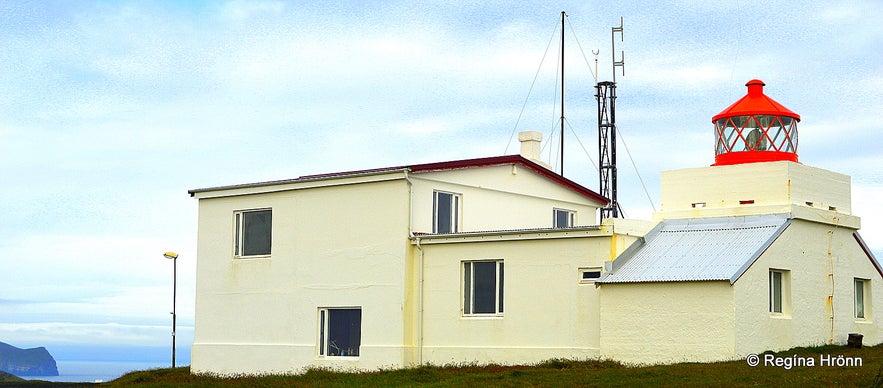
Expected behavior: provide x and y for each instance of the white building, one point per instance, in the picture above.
(496, 260)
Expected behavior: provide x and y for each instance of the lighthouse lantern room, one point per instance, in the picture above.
(755, 129)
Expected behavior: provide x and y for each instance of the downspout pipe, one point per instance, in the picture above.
(420, 305)
(419, 269)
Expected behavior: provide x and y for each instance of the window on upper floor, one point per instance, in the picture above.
(563, 218)
(780, 292)
(253, 232)
(445, 212)
(340, 332)
(861, 298)
(483, 287)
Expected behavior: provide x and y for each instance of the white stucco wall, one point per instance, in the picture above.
(810, 252)
(667, 322)
(548, 312)
(753, 188)
(499, 197)
(342, 242)
(332, 247)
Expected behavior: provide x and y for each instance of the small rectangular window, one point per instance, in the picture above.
(446, 212)
(589, 275)
(340, 332)
(780, 292)
(253, 232)
(563, 218)
(483, 287)
(860, 298)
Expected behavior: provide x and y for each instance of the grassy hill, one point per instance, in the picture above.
(556, 373)
(8, 377)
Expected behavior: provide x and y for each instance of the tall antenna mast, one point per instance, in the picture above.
(563, 14)
(621, 61)
(606, 97)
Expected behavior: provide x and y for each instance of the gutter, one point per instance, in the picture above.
(308, 179)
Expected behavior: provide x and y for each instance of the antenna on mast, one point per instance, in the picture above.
(596, 52)
(563, 14)
(606, 97)
(621, 62)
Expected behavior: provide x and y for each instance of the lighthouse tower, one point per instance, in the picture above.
(774, 239)
(756, 170)
(755, 129)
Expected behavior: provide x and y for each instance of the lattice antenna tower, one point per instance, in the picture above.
(605, 95)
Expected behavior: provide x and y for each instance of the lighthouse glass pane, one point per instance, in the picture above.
(722, 132)
(789, 134)
(778, 135)
(728, 134)
(751, 135)
(756, 140)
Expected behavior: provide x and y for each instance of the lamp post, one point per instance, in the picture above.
(174, 257)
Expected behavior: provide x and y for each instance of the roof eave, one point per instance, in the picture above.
(303, 179)
(512, 159)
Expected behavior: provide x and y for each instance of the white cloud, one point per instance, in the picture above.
(866, 204)
(95, 334)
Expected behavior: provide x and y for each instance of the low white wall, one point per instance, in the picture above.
(667, 322)
(256, 359)
(548, 312)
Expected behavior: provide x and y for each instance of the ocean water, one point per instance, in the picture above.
(97, 371)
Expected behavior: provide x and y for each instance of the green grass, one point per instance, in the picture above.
(8, 377)
(554, 373)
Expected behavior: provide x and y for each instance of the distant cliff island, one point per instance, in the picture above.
(27, 362)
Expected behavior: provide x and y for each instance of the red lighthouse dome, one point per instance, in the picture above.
(755, 129)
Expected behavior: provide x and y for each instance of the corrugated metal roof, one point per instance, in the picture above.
(697, 249)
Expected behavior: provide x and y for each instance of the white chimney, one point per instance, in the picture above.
(531, 142)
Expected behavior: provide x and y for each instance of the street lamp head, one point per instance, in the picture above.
(170, 255)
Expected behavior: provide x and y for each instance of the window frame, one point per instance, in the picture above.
(239, 234)
(467, 308)
(784, 292)
(589, 280)
(323, 333)
(860, 298)
(571, 218)
(454, 218)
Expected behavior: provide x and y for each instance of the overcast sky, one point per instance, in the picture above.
(111, 111)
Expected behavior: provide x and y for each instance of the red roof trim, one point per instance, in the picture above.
(510, 159)
(479, 162)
